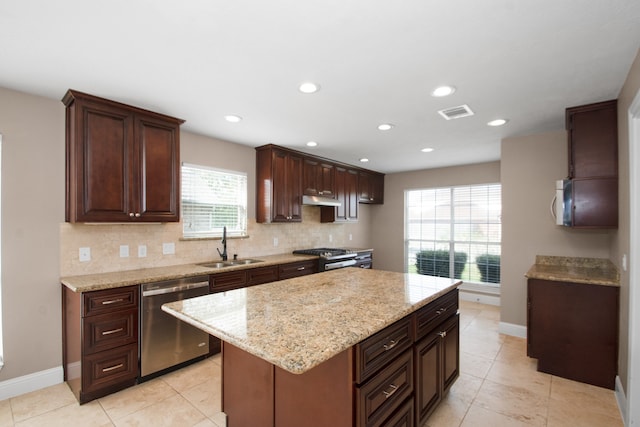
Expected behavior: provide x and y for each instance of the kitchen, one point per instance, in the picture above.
(43, 247)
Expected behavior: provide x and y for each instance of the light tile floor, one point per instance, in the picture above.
(498, 386)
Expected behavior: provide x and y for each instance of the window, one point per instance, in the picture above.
(454, 232)
(211, 200)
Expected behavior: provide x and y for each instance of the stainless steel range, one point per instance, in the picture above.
(331, 258)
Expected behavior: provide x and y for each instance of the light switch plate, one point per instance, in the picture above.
(84, 254)
(142, 251)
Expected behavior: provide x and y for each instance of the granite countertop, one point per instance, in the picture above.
(94, 282)
(298, 323)
(592, 271)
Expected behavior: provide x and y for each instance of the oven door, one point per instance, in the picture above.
(332, 265)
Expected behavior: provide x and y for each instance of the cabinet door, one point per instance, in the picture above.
(593, 140)
(573, 330)
(370, 188)
(157, 189)
(318, 178)
(428, 375)
(351, 195)
(100, 149)
(286, 184)
(450, 333)
(595, 203)
(347, 194)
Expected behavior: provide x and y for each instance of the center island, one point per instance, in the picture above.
(349, 347)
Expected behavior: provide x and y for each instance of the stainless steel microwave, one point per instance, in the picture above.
(562, 204)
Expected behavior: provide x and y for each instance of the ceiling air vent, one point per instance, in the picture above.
(456, 112)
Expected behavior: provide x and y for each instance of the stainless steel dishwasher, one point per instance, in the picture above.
(165, 341)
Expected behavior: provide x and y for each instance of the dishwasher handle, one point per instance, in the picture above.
(174, 289)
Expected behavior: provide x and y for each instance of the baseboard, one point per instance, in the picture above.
(31, 382)
(621, 399)
(512, 329)
(479, 297)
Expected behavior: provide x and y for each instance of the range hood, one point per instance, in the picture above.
(320, 201)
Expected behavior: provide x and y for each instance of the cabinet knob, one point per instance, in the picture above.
(137, 214)
(131, 214)
(442, 334)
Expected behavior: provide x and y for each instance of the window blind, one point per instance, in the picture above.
(455, 232)
(212, 199)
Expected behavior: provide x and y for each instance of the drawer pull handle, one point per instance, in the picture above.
(113, 331)
(112, 301)
(391, 344)
(442, 310)
(442, 334)
(388, 394)
(120, 365)
(300, 268)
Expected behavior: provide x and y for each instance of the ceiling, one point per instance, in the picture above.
(375, 61)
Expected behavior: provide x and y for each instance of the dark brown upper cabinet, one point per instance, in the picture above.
(318, 178)
(122, 162)
(593, 164)
(283, 176)
(347, 195)
(593, 140)
(279, 185)
(371, 188)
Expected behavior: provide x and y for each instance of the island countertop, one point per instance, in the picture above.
(297, 324)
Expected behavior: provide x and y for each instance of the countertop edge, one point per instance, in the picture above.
(118, 279)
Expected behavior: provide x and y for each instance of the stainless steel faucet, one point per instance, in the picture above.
(223, 254)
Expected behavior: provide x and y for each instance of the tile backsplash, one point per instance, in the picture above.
(104, 241)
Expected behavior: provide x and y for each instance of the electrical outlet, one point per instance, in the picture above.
(330, 238)
(168, 248)
(275, 241)
(84, 254)
(350, 236)
(124, 251)
(142, 251)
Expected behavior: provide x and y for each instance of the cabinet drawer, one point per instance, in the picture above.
(98, 302)
(228, 281)
(435, 312)
(296, 269)
(257, 276)
(106, 331)
(108, 368)
(379, 349)
(403, 416)
(378, 398)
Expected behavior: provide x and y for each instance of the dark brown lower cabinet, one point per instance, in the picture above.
(100, 341)
(385, 380)
(572, 329)
(437, 366)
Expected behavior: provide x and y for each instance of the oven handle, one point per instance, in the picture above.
(340, 264)
(174, 289)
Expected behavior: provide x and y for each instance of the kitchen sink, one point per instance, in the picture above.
(230, 263)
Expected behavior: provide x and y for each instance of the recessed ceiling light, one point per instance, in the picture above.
(427, 150)
(385, 126)
(443, 91)
(312, 144)
(308, 87)
(364, 160)
(497, 122)
(232, 118)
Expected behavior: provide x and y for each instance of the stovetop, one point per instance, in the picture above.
(324, 252)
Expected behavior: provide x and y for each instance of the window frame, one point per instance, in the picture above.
(453, 242)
